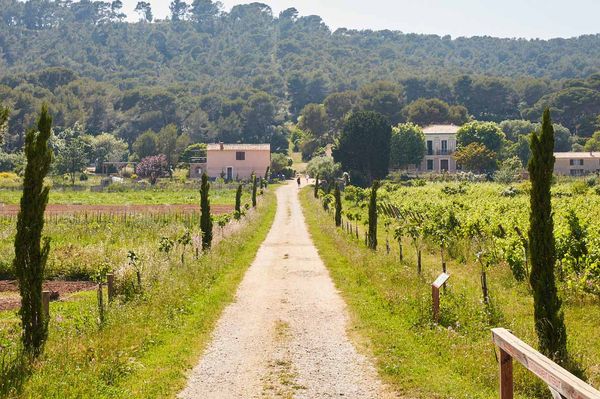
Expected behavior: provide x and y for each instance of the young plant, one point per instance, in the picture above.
(206, 223)
(338, 205)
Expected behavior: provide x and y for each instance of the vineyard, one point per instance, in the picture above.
(165, 286)
(477, 232)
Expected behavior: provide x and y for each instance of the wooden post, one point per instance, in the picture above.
(435, 295)
(110, 280)
(419, 267)
(506, 375)
(100, 304)
(46, 303)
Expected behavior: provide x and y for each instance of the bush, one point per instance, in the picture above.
(579, 187)
(12, 162)
(83, 177)
(152, 167)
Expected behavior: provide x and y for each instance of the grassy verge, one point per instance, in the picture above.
(146, 345)
(391, 305)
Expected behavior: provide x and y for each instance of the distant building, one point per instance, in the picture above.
(576, 163)
(440, 144)
(233, 161)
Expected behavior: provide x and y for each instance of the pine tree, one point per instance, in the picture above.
(317, 186)
(4, 113)
(206, 224)
(338, 205)
(254, 183)
(372, 241)
(549, 318)
(31, 252)
(238, 199)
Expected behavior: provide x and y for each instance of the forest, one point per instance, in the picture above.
(243, 75)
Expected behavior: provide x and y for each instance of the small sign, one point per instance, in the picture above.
(441, 280)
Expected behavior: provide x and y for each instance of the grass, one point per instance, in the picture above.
(390, 306)
(148, 342)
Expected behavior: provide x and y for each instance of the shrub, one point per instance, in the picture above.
(152, 167)
(83, 177)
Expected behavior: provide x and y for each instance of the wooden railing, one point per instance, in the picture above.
(562, 384)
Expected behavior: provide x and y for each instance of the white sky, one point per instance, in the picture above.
(500, 18)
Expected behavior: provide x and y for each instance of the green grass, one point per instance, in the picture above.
(390, 306)
(147, 344)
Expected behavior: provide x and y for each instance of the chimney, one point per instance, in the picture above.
(221, 146)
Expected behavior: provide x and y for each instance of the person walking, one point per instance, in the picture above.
(298, 181)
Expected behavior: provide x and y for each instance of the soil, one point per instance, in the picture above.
(9, 291)
(286, 334)
(62, 209)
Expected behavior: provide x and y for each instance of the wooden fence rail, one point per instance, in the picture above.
(560, 381)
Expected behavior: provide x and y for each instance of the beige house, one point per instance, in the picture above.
(440, 144)
(233, 161)
(576, 163)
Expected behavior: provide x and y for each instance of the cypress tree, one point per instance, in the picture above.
(548, 316)
(338, 205)
(238, 199)
(31, 252)
(316, 186)
(267, 177)
(372, 240)
(254, 191)
(206, 224)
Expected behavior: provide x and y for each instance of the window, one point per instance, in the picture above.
(430, 164)
(444, 165)
(240, 156)
(444, 147)
(429, 147)
(576, 162)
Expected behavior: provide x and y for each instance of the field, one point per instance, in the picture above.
(169, 294)
(391, 302)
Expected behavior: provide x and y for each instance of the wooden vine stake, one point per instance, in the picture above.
(435, 292)
(110, 280)
(46, 303)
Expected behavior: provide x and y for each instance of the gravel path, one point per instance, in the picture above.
(285, 335)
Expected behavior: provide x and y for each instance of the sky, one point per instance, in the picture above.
(542, 19)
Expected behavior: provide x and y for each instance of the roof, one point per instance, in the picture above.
(238, 147)
(441, 129)
(578, 155)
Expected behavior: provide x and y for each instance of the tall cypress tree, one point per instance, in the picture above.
(316, 193)
(31, 252)
(338, 205)
(372, 242)
(238, 199)
(254, 184)
(206, 224)
(549, 318)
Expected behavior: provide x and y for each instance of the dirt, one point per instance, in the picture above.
(286, 333)
(9, 291)
(62, 209)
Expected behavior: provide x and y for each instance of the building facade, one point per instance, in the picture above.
(440, 144)
(576, 163)
(233, 161)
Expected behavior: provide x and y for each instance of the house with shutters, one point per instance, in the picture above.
(576, 163)
(440, 145)
(233, 161)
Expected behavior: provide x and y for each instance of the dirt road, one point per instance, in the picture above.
(285, 335)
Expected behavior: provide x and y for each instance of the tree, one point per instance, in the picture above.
(30, 252)
(385, 98)
(476, 157)
(178, 10)
(167, 143)
(548, 315)
(4, 113)
(206, 224)
(373, 216)
(313, 120)
(254, 188)
(205, 12)
(238, 198)
(593, 144)
(72, 157)
(363, 148)
(429, 111)
(146, 144)
(407, 145)
(325, 168)
(144, 9)
(108, 148)
(338, 205)
(279, 163)
(152, 167)
(486, 133)
(509, 171)
(316, 188)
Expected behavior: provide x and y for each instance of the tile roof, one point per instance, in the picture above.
(238, 147)
(441, 129)
(578, 155)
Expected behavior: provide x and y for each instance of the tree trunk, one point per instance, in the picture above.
(400, 249)
(484, 288)
(419, 262)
